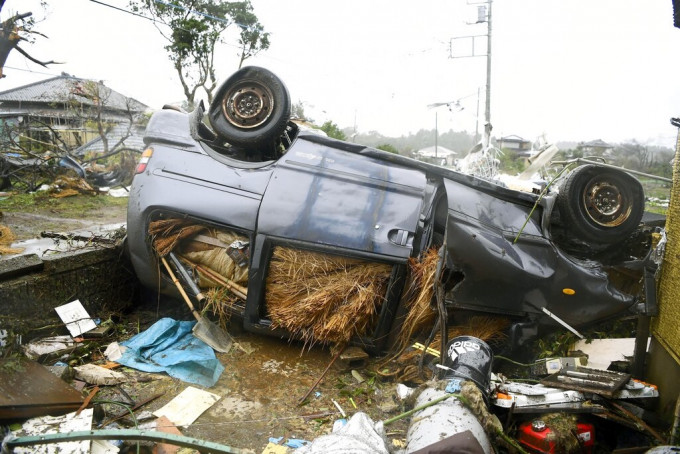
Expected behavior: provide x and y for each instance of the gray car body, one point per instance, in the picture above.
(347, 199)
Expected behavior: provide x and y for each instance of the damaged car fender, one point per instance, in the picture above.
(506, 264)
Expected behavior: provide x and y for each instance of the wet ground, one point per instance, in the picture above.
(27, 225)
(260, 389)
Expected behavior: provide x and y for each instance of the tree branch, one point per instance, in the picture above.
(34, 60)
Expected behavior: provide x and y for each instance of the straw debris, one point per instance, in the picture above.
(420, 289)
(564, 428)
(7, 237)
(221, 302)
(166, 233)
(217, 259)
(67, 187)
(324, 298)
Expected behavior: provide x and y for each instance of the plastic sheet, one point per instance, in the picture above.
(169, 346)
(359, 436)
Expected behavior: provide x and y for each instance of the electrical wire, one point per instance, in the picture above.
(155, 21)
(123, 10)
(183, 8)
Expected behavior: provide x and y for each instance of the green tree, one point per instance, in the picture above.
(195, 28)
(388, 147)
(332, 130)
(298, 111)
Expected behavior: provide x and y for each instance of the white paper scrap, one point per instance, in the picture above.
(77, 320)
(103, 447)
(187, 406)
(53, 425)
(114, 351)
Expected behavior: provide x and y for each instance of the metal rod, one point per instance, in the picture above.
(561, 322)
(136, 406)
(238, 290)
(181, 289)
(638, 422)
(322, 376)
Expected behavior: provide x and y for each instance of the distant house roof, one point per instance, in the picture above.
(64, 88)
(440, 152)
(515, 143)
(513, 138)
(597, 143)
(132, 138)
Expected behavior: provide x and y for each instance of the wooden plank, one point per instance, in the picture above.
(28, 389)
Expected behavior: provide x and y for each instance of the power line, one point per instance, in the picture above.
(208, 16)
(31, 71)
(123, 10)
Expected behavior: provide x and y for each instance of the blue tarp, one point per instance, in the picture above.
(169, 346)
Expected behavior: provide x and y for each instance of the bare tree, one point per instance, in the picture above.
(17, 29)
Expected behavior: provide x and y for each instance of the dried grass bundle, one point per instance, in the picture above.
(67, 186)
(420, 289)
(166, 233)
(7, 237)
(324, 298)
(220, 302)
(217, 259)
(64, 193)
(489, 329)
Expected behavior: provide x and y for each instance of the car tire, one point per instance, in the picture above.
(251, 108)
(601, 205)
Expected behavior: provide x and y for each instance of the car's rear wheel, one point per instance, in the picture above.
(599, 204)
(251, 108)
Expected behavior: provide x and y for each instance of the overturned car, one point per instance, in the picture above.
(291, 213)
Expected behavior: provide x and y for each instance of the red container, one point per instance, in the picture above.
(536, 437)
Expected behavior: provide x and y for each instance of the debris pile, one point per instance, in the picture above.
(139, 386)
(64, 186)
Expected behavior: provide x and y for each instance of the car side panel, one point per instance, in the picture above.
(320, 194)
(190, 184)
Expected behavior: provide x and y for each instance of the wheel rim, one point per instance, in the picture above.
(606, 205)
(248, 105)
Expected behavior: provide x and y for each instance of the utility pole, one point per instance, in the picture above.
(483, 15)
(436, 134)
(487, 110)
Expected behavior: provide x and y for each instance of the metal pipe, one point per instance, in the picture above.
(126, 434)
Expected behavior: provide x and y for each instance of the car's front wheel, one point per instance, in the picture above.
(601, 205)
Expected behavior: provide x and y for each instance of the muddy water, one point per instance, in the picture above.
(260, 389)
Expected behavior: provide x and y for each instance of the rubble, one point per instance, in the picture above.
(236, 400)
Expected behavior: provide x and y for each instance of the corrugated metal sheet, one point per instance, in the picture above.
(665, 326)
(134, 140)
(62, 89)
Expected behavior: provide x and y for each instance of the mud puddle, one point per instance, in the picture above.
(262, 384)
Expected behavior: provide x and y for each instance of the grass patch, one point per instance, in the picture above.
(77, 206)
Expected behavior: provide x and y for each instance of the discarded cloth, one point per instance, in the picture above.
(169, 346)
(359, 435)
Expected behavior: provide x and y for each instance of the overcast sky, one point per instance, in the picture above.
(570, 69)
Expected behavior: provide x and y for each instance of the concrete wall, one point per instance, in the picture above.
(102, 279)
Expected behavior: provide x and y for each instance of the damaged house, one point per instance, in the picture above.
(43, 122)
